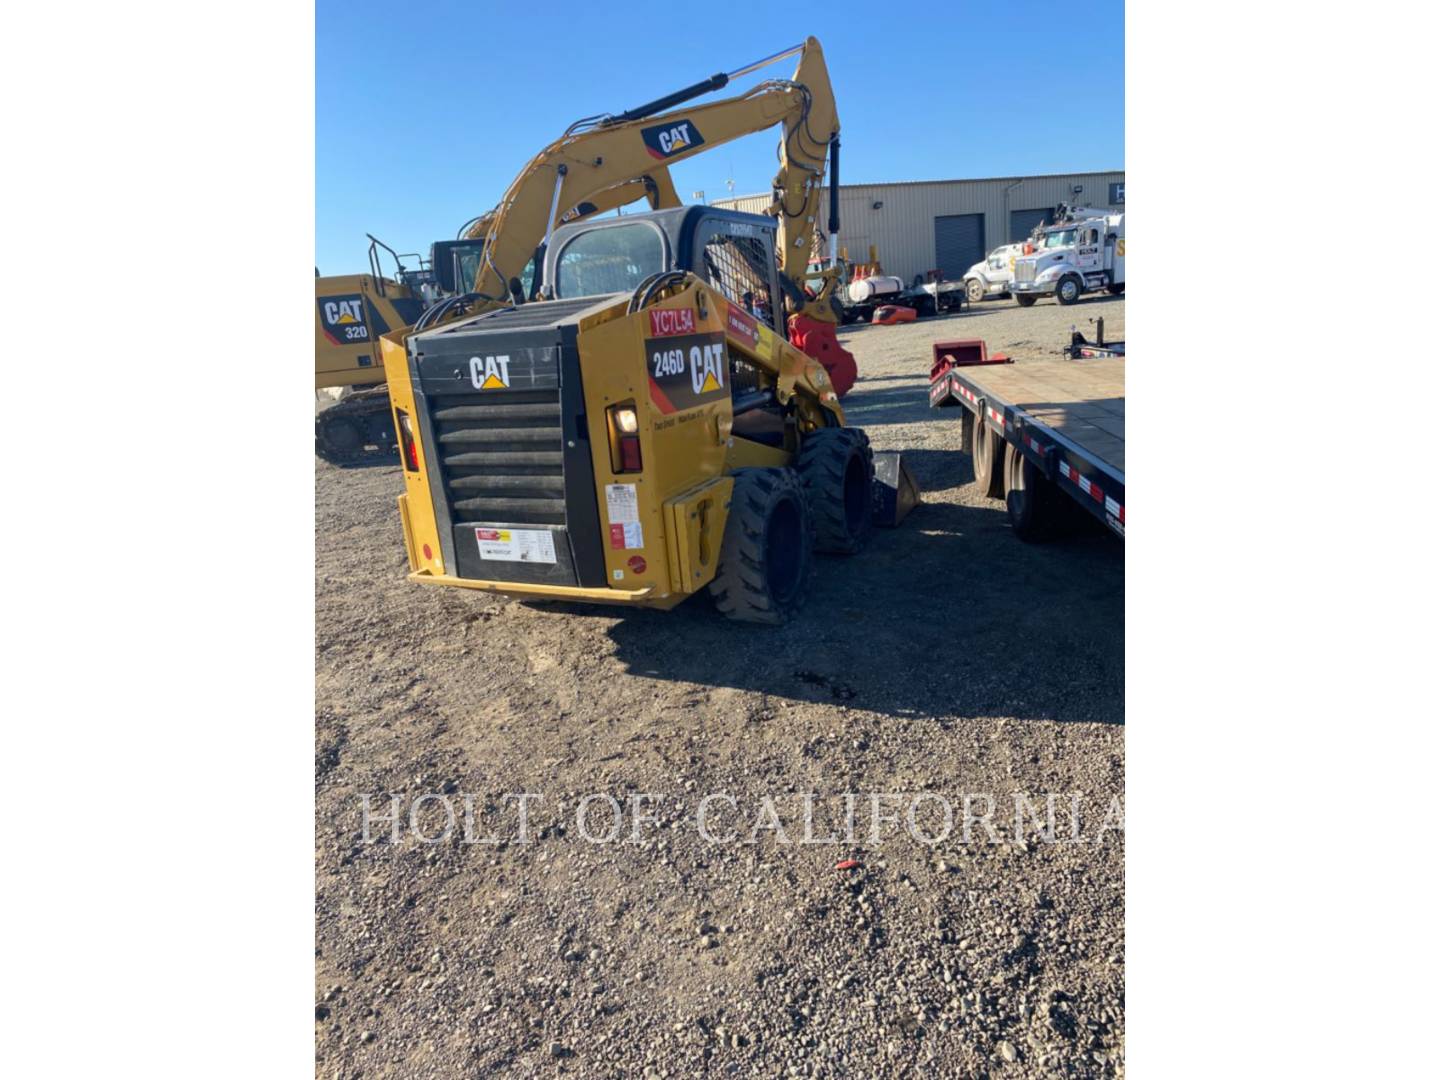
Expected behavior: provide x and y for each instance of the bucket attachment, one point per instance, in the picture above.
(894, 493)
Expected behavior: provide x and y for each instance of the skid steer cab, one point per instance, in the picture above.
(643, 434)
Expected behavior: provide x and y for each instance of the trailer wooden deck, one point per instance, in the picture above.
(1067, 417)
(1082, 401)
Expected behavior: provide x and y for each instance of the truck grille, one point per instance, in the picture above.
(1024, 270)
(502, 456)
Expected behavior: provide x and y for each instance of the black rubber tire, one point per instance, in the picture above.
(837, 470)
(1025, 299)
(987, 455)
(1068, 290)
(766, 554)
(974, 290)
(1033, 504)
(967, 433)
(1116, 290)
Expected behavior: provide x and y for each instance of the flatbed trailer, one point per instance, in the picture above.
(1038, 429)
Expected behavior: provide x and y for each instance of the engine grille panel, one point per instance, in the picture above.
(502, 456)
(1024, 271)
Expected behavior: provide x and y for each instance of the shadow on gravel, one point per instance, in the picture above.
(948, 616)
(905, 404)
(390, 458)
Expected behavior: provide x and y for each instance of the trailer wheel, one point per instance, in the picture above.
(986, 455)
(837, 470)
(1116, 290)
(1068, 289)
(1025, 299)
(975, 290)
(1032, 502)
(766, 557)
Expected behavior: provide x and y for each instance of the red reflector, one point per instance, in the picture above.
(413, 452)
(630, 453)
(428, 553)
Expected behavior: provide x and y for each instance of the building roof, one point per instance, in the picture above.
(957, 180)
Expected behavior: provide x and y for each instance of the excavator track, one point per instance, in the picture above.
(357, 430)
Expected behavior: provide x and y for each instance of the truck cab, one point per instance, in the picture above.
(1082, 252)
(993, 274)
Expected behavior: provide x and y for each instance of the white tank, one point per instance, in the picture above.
(870, 287)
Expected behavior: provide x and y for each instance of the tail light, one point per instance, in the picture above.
(625, 438)
(409, 448)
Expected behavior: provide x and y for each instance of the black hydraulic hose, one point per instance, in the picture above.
(646, 290)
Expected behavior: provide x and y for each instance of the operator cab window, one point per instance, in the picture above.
(609, 260)
(737, 258)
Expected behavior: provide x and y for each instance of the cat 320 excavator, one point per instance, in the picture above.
(655, 411)
(352, 311)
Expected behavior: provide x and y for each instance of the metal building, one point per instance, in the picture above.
(949, 225)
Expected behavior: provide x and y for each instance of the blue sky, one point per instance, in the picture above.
(425, 114)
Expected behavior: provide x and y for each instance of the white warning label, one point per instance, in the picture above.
(621, 503)
(516, 545)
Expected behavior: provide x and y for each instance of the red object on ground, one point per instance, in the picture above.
(847, 864)
(891, 314)
(817, 339)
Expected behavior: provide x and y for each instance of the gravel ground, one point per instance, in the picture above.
(948, 659)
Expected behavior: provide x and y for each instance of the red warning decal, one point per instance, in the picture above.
(637, 564)
(740, 323)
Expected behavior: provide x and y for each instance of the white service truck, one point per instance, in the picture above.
(1083, 251)
(992, 275)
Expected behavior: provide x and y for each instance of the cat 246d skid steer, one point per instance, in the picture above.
(641, 429)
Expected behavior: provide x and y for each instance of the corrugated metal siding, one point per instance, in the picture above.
(903, 227)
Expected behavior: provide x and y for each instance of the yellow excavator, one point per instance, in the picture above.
(352, 311)
(636, 409)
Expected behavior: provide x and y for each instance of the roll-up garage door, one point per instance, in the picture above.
(959, 243)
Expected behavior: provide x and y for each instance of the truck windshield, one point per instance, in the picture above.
(609, 260)
(1062, 238)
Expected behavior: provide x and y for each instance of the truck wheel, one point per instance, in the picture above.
(837, 470)
(1025, 299)
(1031, 501)
(1068, 290)
(986, 457)
(765, 555)
(1116, 290)
(974, 290)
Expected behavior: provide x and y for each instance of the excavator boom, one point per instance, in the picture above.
(601, 160)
